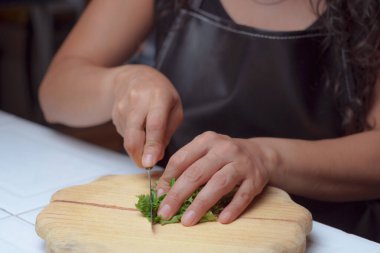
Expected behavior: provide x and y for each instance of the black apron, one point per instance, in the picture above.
(246, 82)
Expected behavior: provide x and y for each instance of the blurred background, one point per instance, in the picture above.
(31, 31)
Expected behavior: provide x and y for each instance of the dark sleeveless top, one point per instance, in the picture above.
(246, 82)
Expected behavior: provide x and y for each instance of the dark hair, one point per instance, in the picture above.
(354, 34)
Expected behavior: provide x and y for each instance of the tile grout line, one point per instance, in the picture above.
(25, 212)
(5, 211)
(26, 221)
(18, 216)
(31, 210)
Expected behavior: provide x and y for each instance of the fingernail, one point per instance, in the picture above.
(188, 218)
(225, 217)
(164, 212)
(147, 160)
(160, 192)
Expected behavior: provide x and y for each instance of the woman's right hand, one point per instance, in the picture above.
(146, 112)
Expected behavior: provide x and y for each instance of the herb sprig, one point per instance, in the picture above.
(143, 204)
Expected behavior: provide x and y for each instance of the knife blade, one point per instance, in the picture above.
(150, 196)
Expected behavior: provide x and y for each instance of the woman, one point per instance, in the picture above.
(264, 97)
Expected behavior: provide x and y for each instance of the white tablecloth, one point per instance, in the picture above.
(37, 161)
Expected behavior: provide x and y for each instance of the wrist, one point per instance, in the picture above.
(272, 157)
(118, 78)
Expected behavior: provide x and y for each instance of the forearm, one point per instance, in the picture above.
(341, 169)
(78, 88)
(78, 93)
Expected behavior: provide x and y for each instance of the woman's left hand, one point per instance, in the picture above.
(220, 163)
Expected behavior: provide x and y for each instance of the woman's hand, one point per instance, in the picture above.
(146, 112)
(222, 163)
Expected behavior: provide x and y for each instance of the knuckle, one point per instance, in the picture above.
(120, 108)
(155, 124)
(229, 146)
(210, 135)
(213, 156)
(152, 144)
(201, 203)
(207, 136)
(163, 183)
(177, 159)
(245, 197)
(158, 93)
(233, 168)
(169, 174)
(221, 180)
(247, 194)
(134, 94)
(173, 198)
(193, 175)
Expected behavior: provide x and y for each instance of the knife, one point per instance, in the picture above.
(150, 196)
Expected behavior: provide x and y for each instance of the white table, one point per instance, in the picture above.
(36, 161)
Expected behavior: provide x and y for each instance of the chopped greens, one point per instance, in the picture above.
(143, 204)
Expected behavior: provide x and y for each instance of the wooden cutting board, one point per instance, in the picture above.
(101, 217)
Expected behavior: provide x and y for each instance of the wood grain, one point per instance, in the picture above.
(101, 217)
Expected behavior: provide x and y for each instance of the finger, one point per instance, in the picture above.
(177, 164)
(196, 175)
(175, 119)
(242, 198)
(221, 183)
(134, 134)
(180, 161)
(156, 125)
